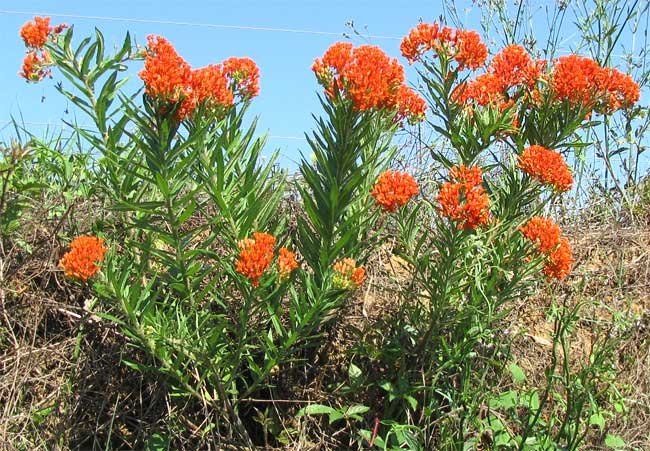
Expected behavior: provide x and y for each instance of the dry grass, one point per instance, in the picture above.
(611, 276)
(63, 384)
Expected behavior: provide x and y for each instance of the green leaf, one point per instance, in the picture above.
(614, 441)
(367, 436)
(597, 419)
(506, 400)
(110, 317)
(517, 373)
(533, 401)
(157, 442)
(41, 415)
(335, 416)
(315, 409)
(136, 366)
(354, 374)
(100, 46)
(356, 410)
(412, 402)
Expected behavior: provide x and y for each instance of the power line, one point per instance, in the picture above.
(297, 138)
(229, 27)
(6, 122)
(192, 24)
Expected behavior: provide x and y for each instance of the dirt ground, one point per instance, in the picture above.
(61, 383)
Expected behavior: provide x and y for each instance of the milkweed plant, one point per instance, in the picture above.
(203, 270)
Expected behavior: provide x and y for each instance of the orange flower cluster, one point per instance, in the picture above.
(423, 38)
(369, 78)
(256, 255)
(35, 34)
(620, 91)
(36, 66)
(548, 237)
(82, 261)
(207, 86)
(394, 189)
(286, 263)
(463, 198)
(547, 166)
(470, 51)
(244, 76)
(544, 232)
(347, 275)
(582, 82)
(559, 261)
(485, 89)
(410, 105)
(464, 46)
(514, 66)
(165, 75)
(169, 78)
(511, 68)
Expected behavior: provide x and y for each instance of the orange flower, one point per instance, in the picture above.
(358, 276)
(35, 67)
(463, 199)
(548, 237)
(244, 76)
(166, 75)
(619, 90)
(286, 263)
(547, 166)
(59, 28)
(255, 256)
(471, 52)
(421, 39)
(169, 78)
(464, 46)
(513, 66)
(582, 82)
(372, 78)
(574, 79)
(394, 189)
(208, 86)
(559, 261)
(483, 90)
(472, 176)
(347, 275)
(410, 105)
(368, 77)
(334, 61)
(542, 231)
(36, 33)
(82, 261)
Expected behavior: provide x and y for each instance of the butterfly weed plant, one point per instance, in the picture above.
(200, 269)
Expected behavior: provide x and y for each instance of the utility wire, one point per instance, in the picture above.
(228, 27)
(56, 125)
(192, 24)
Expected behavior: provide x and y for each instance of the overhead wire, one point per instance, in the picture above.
(192, 24)
(201, 25)
(7, 122)
(188, 24)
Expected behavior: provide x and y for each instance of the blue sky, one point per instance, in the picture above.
(288, 88)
